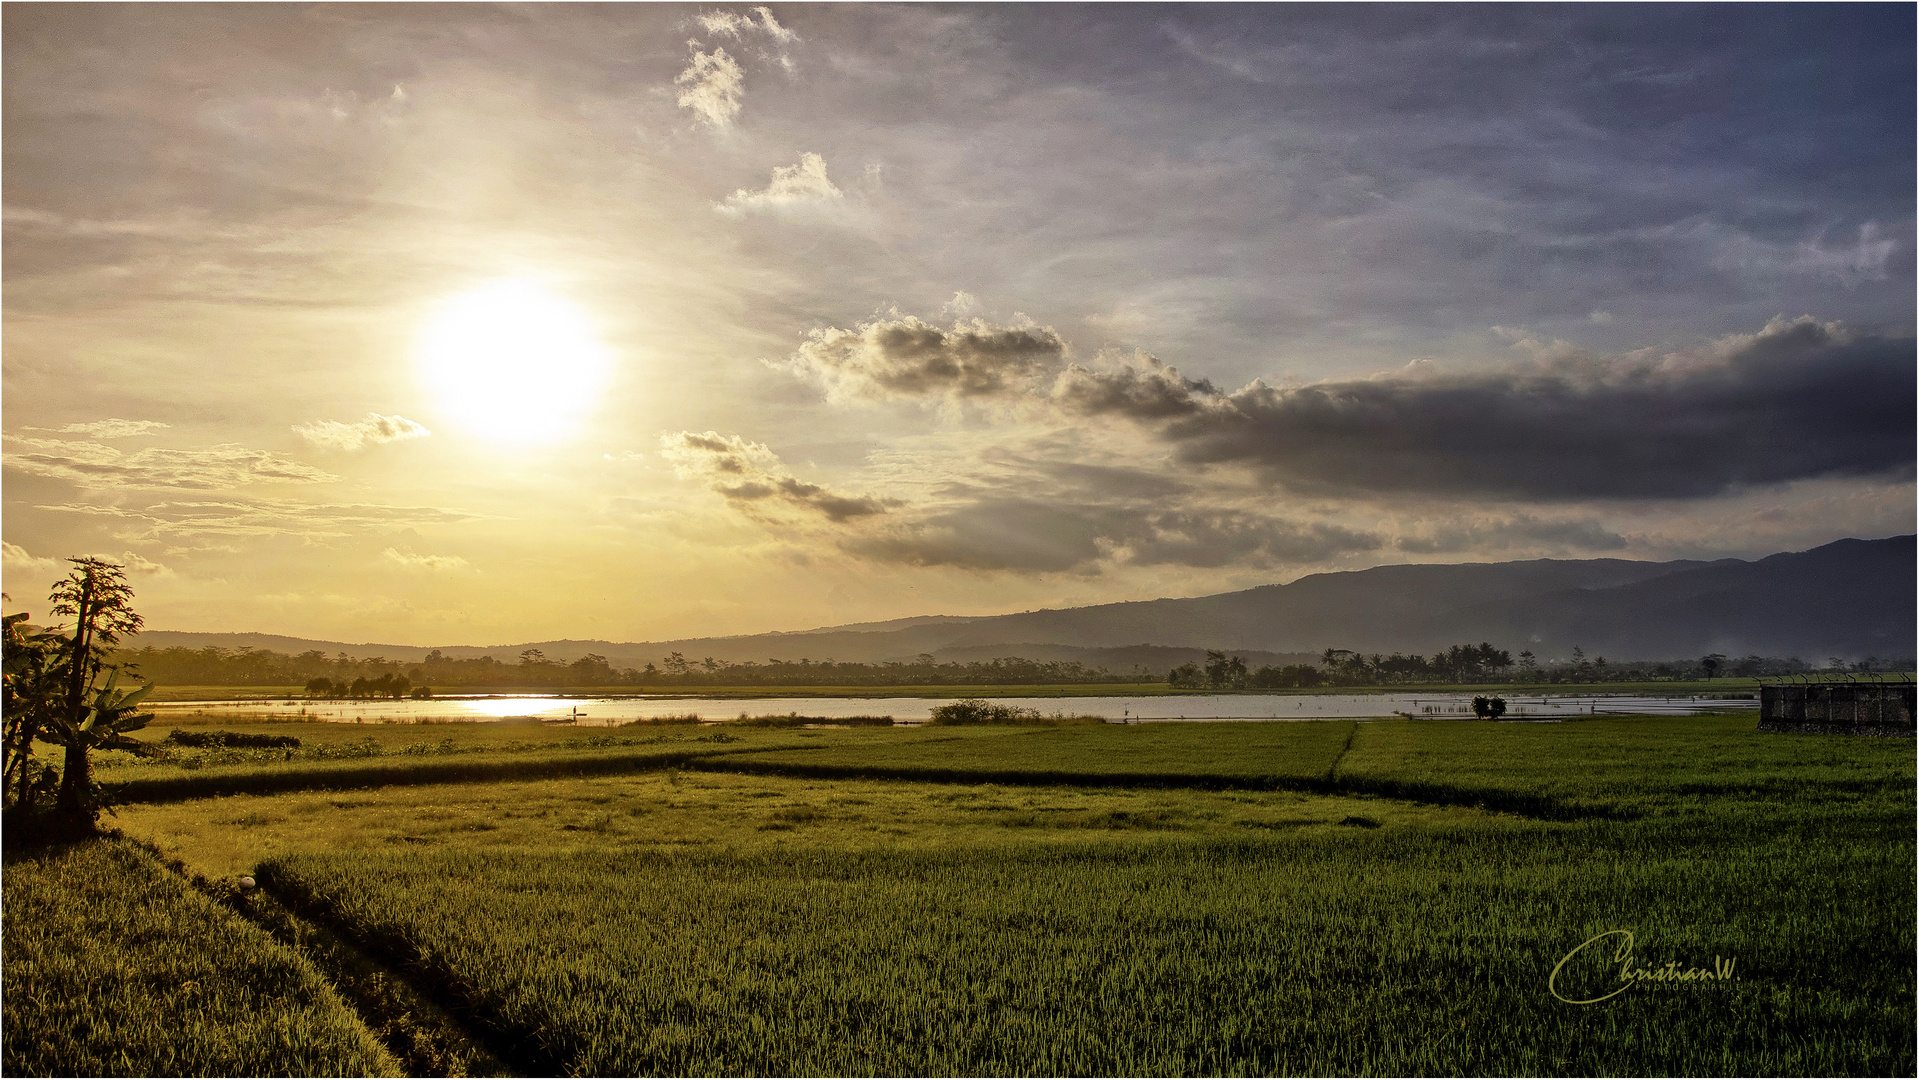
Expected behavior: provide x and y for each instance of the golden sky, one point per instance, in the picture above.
(470, 324)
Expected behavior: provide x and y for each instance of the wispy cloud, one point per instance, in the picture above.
(751, 477)
(215, 468)
(261, 518)
(108, 429)
(372, 431)
(738, 27)
(436, 564)
(792, 185)
(1030, 536)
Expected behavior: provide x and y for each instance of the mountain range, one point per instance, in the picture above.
(1850, 598)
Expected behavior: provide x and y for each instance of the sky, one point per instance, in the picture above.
(476, 324)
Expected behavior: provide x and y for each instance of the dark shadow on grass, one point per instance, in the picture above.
(1542, 807)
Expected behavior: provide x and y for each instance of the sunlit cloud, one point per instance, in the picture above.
(109, 429)
(751, 477)
(713, 85)
(372, 431)
(260, 518)
(21, 566)
(792, 185)
(95, 465)
(738, 26)
(903, 357)
(437, 564)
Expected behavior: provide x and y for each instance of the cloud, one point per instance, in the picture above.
(751, 477)
(1862, 260)
(438, 564)
(262, 518)
(108, 429)
(18, 565)
(1798, 400)
(902, 357)
(1146, 390)
(1029, 536)
(215, 468)
(714, 85)
(1515, 531)
(737, 26)
(372, 431)
(792, 185)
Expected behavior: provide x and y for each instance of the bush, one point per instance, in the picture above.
(231, 739)
(976, 711)
(796, 720)
(651, 721)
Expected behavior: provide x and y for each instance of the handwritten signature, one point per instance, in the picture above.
(1632, 973)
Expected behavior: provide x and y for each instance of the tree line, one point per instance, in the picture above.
(344, 676)
(1484, 663)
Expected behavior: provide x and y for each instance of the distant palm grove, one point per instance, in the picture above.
(377, 677)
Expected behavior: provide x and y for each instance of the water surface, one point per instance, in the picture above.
(603, 711)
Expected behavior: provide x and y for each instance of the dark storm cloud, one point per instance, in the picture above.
(1034, 537)
(1798, 401)
(904, 357)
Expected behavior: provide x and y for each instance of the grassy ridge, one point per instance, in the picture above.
(114, 967)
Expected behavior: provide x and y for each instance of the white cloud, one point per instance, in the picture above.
(737, 26)
(714, 86)
(438, 564)
(372, 431)
(108, 429)
(961, 305)
(791, 185)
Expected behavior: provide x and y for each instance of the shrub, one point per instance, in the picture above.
(976, 711)
(231, 739)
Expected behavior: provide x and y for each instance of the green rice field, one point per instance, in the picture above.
(1325, 898)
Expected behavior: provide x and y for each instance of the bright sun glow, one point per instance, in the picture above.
(513, 362)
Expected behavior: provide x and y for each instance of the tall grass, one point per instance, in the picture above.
(114, 967)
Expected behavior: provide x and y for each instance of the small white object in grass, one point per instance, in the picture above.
(246, 883)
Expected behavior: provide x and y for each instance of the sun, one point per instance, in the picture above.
(513, 362)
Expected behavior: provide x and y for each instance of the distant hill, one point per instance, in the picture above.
(1851, 598)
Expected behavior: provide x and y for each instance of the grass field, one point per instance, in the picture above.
(1313, 898)
(114, 967)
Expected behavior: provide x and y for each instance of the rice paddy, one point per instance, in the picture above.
(1313, 898)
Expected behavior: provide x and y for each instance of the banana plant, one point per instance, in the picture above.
(30, 699)
(108, 717)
